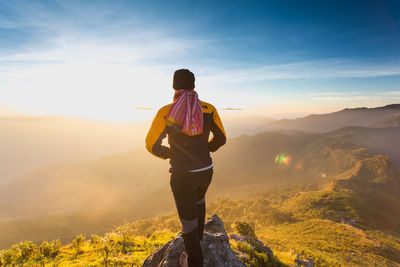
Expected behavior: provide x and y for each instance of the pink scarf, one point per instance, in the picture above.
(187, 111)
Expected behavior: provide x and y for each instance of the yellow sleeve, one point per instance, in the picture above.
(219, 135)
(218, 122)
(156, 134)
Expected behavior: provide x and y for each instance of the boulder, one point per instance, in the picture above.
(215, 244)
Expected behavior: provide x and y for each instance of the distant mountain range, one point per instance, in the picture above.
(385, 116)
(44, 140)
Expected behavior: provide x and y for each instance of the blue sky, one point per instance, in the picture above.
(102, 59)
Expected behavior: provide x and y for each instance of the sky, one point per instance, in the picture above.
(114, 60)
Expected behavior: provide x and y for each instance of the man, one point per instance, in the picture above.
(188, 122)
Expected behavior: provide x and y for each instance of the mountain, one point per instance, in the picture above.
(320, 196)
(378, 140)
(45, 140)
(135, 184)
(332, 196)
(328, 122)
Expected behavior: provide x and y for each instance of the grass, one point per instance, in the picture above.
(331, 244)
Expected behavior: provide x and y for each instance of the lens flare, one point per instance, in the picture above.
(282, 159)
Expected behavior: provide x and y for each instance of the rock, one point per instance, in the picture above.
(308, 262)
(215, 244)
(237, 237)
(268, 251)
(256, 244)
(214, 225)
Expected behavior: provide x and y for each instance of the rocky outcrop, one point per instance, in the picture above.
(215, 244)
(256, 245)
(308, 262)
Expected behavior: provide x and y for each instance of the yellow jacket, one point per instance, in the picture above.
(186, 152)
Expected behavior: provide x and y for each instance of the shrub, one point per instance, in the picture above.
(243, 228)
(7, 257)
(94, 240)
(253, 256)
(77, 244)
(27, 251)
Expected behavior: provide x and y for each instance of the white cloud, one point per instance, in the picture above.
(391, 93)
(309, 70)
(354, 95)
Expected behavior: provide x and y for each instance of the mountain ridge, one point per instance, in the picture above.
(335, 120)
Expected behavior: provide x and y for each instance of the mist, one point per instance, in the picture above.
(31, 141)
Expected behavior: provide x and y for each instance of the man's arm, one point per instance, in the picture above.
(155, 136)
(219, 136)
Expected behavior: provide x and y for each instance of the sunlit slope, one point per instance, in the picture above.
(367, 195)
(332, 244)
(331, 121)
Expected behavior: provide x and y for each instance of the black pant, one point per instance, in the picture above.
(189, 190)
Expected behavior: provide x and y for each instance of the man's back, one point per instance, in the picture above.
(186, 152)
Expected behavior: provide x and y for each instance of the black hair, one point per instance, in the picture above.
(183, 79)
